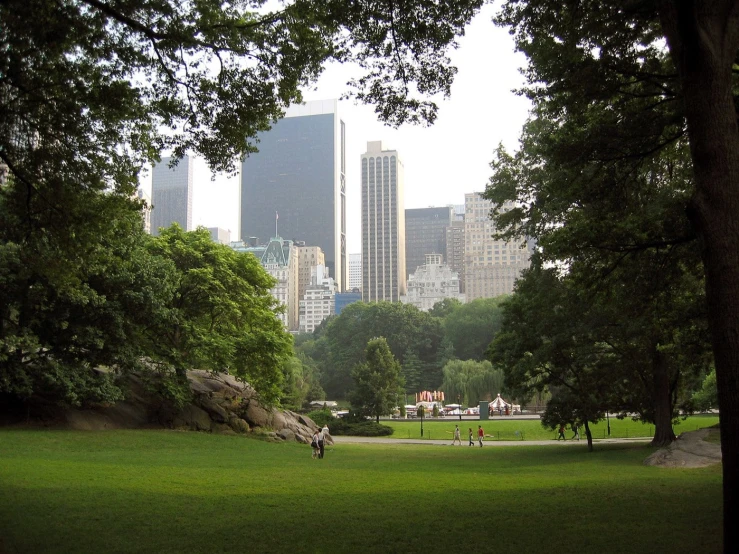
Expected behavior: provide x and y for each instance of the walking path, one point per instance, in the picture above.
(445, 442)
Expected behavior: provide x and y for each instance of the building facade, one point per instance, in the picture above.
(146, 210)
(318, 302)
(431, 283)
(355, 272)
(171, 194)
(309, 257)
(383, 225)
(279, 259)
(454, 246)
(221, 236)
(343, 299)
(491, 266)
(296, 184)
(425, 233)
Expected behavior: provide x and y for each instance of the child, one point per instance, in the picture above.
(472, 439)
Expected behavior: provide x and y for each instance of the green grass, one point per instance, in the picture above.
(165, 491)
(503, 428)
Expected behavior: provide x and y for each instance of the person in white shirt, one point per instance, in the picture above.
(320, 443)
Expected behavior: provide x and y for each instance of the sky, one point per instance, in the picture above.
(441, 162)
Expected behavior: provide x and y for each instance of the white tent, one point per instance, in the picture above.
(499, 404)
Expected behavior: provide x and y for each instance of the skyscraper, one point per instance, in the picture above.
(490, 266)
(355, 272)
(171, 194)
(383, 225)
(425, 233)
(296, 184)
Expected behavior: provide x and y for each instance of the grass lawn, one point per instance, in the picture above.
(167, 491)
(503, 428)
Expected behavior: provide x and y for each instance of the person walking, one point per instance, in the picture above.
(561, 432)
(472, 438)
(457, 436)
(480, 434)
(321, 438)
(576, 431)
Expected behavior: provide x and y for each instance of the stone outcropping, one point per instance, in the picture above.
(689, 450)
(221, 404)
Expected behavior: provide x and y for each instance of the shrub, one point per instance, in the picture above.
(365, 428)
(322, 417)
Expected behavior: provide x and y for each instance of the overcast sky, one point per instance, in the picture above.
(442, 162)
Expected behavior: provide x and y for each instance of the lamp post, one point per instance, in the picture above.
(459, 407)
(423, 411)
(608, 421)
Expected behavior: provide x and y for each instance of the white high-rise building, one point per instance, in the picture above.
(171, 194)
(355, 272)
(319, 300)
(431, 283)
(383, 225)
(490, 266)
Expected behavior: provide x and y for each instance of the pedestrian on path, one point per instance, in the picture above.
(480, 434)
(561, 432)
(457, 437)
(576, 431)
(472, 438)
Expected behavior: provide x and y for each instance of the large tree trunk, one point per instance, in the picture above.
(661, 400)
(703, 37)
(589, 436)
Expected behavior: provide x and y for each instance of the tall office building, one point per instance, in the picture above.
(296, 184)
(171, 194)
(383, 225)
(425, 233)
(355, 272)
(490, 266)
(309, 257)
(431, 283)
(455, 250)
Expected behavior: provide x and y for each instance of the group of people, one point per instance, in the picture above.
(575, 431)
(458, 436)
(318, 441)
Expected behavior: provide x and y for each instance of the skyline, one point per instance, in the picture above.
(442, 162)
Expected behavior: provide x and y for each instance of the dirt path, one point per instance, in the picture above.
(493, 443)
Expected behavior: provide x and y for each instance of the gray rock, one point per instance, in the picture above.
(286, 434)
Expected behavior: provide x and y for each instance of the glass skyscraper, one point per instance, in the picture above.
(295, 186)
(171, 194)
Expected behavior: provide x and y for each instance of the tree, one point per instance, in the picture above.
(471, 381)
(377, 381)
(408, 330)
(222, 315)
(74, 302)
(470, 327)
(567, 42)
(411, 371)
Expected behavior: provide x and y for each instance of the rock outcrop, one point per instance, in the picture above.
(221, 404)
(689, 450)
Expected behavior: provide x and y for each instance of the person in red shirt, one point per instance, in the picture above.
(480, 434)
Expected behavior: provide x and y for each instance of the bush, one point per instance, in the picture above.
(364, 428)
(322, 417)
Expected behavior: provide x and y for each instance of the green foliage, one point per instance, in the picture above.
(364, 428)
(471, 381)
(707, 397)
(323, 417)
(470, 327)
(407, 331)
(222, 316)
(377, 381)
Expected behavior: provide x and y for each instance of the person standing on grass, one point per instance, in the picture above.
(480, 434)
(314, 445)
(472, 438)
(326, 434)
(561, 432)
(457, 437)
(320, 443)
